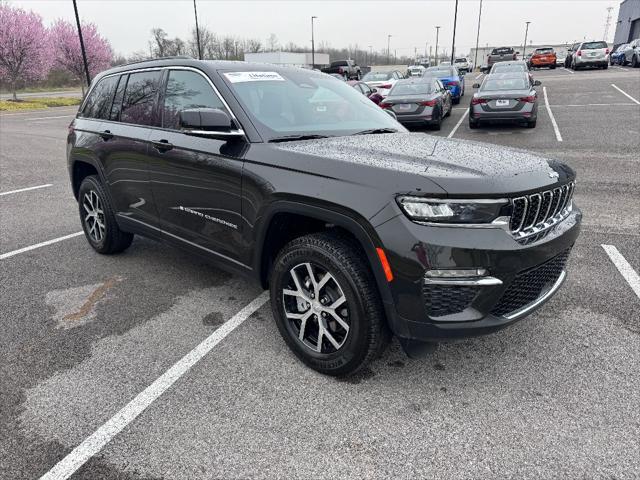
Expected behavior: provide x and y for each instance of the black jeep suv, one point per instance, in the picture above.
(291, 177)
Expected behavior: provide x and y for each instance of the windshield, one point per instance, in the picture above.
(543, 51)
(412, 88)
(376, 76)
(440, 72)
(461, 60)
(299, 102)
(509, 67)
(593, 45)
(508, 83)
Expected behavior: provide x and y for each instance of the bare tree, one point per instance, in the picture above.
(272, 42)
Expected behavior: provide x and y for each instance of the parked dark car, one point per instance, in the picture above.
(505, 97)
(570, 51)
(418, 102)
(382, 81)
(501, 54)
(616, 57)
(371, 93)
(450, 78)
(631, 54)
(286, 176)
(347, 68)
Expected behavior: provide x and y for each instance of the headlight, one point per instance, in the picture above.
(452, 211)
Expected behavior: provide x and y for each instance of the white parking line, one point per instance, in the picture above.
(553, 119)
(464, 115)
(626, 270)
(25, 189)
(567, 70)
(479, 76)
(625, 93)
(49, 118)
(38, 245)
(103, 435)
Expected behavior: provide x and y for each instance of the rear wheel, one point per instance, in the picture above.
(635, 62)
(326, 304)
(98, 219)
(605, 66)
(437, 125)
(553, 67)
(472, 124)
(531, 124)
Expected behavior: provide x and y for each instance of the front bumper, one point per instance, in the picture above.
(470, 310)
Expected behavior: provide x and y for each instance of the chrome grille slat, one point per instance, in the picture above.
(536, 212)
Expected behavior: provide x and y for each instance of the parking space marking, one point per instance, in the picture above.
(464, 115)
(26, 189)
(594, 105)
(568, 71)
(49, 118)
(103, 435)
(479, 76)
(625, 269)
(624, 93)
(38, 245)
(553, 119)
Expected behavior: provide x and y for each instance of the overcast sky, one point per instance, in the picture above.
(126, 23)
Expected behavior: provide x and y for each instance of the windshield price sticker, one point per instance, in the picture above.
(238, 77)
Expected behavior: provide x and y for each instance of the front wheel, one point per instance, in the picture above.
(326, 304)
(98, 218)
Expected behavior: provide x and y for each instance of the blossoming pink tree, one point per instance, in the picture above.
(67, 52)
(25, 53)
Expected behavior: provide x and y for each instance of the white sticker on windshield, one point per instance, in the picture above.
(237, 77)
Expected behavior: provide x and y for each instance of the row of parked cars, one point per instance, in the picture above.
(626, 54)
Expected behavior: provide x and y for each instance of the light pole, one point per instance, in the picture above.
(475, 59)
(84, 54)
(388, 51)
(524, 47)
(370, 54)
(437, 35)
(453, 45)
(313, 45)
(195, 12)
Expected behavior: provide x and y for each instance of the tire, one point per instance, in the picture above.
(553, 67)
(449, 110)
(472, 125)
(367, 335)
(98, 219)
(635, 63)
(456, 101)
(605, 66)
(531, 124)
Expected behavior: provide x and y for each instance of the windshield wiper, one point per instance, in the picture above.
(377, 130)
(293, 138)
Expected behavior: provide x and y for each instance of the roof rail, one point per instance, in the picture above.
(176, 57)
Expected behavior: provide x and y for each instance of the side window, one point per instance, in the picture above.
(186, 89)
(139, 98)
(117, 99)
(99, 102)
(365, 89)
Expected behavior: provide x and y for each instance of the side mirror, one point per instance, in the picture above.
(476, 85)
(374, 90)
(537, 83)
(208, 122)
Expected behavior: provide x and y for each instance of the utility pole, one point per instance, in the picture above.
(437, 36)
(453, 46)
(313, 46)
(475, 60)
(84, 53)
(524, 48)
(388, 51)
(195, 12)
(430, 52)
(607, 24)
(370, 59)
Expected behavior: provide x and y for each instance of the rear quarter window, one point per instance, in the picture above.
(140, 97)
(98, 104)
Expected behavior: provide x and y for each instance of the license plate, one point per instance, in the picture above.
(502, 103)
(404, 107)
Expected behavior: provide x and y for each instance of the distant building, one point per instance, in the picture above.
(628, 24)
(289, 59)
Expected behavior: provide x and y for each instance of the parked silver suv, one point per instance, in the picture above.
(590, 54)
(631, 54)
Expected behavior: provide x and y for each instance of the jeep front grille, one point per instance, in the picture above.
(539, 211)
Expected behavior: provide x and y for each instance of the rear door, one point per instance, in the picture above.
(196, 181)
(124, 152)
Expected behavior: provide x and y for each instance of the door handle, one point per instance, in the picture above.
(162, 145)
(106, 135)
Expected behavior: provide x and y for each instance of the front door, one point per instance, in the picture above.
(196, 181)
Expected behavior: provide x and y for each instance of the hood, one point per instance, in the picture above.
(459, 167)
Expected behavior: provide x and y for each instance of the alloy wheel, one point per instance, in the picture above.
(316, 308)
(94, 216)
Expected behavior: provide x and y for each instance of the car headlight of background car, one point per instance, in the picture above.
(468, 211)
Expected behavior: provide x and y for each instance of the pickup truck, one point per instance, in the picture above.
(347, 68)
(501, 54)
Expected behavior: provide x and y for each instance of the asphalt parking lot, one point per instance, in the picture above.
(556, 395)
